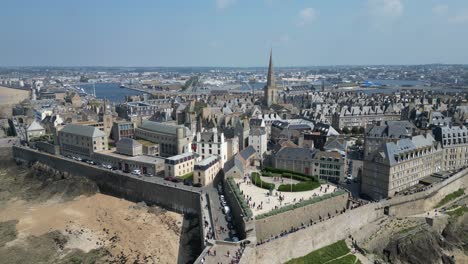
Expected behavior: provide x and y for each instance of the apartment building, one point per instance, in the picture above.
(258, 140)
(327, 165)
(206, 170)
(180, 165)
(362, 116)
(396, 166)
(454, 141)
(211, 143)
(81, 141)
(172, 139)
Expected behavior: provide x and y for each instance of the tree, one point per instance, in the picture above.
(346, 130)
(354, 130)
(358, 142)
(362, 130)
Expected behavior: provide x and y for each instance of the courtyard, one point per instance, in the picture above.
(264, 199)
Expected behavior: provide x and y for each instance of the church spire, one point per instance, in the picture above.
(270, 88)
(271, 75)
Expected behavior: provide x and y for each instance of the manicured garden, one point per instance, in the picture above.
(337, 253)
(257, 181)
(306, 182)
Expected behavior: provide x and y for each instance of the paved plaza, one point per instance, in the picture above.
(258, 196)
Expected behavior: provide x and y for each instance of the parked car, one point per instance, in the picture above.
(188, 182)
(136, 172)
(197, 184)
(226, 210)
(168, 178)
(228, 218)
(174, 179)
(235, 239)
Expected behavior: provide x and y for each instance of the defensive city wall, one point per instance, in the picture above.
(313, 213)
(325, 222)
(153, 192)
(355, 222)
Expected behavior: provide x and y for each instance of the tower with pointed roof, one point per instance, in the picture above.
(271, 93)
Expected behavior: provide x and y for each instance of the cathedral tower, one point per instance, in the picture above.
(271, 93)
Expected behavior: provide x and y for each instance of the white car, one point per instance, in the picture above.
(136, 172)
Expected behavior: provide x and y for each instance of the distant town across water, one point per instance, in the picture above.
(114, 93)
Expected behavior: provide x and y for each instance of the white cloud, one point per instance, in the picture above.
(306, 16)
(383, 13)
(440, 9)
(386, 8)
(223, 4)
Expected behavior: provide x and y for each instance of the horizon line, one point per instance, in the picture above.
(191, 66)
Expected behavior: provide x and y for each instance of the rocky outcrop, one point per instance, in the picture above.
(419, 246)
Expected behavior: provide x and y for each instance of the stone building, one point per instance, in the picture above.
(454, 141)
(172, 139)
(34, 130)
(396, 166)
(390, 131)
(211, 143)
(206, 170)
(81, 141)
(362, 116)
(180, 165)
(121, 129)
(129, 147)
(258, 140)
(327, 165)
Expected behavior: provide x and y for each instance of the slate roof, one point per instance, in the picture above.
(35, 126)
(163, 128)
(391, 150)
(292, 153)
(247, 152)
(128, 142)
(81, 130)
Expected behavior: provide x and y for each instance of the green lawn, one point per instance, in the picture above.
(452, 196)
(325, 254)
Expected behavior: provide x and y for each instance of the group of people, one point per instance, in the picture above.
(233, 258)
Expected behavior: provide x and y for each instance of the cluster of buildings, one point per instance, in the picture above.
(387, 143)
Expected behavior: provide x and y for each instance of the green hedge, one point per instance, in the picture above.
(282, 172)
(299, 187)
(259, 183)
(299, 204)
(326, 254)
(298, 177)
(240, 197)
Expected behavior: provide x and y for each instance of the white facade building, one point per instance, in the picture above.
(211, 143)
(258, 140)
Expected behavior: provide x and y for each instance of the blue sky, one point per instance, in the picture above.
(232, 32)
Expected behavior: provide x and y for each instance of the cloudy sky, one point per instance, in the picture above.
(232, 32)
